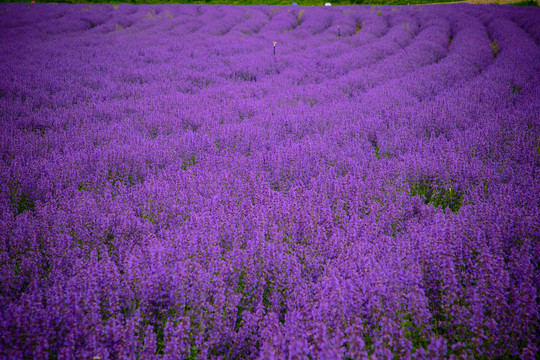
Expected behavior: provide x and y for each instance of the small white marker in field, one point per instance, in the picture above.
(327, 4)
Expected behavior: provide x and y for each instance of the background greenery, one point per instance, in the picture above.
(273, 2)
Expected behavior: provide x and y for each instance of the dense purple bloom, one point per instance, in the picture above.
(171, 188)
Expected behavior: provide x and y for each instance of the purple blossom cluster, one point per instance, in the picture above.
(170, 188)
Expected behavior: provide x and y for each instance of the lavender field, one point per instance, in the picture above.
(171, 187)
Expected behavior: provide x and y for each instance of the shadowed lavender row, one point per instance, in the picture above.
(171, 187)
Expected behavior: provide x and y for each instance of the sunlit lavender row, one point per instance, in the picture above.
(258, 182)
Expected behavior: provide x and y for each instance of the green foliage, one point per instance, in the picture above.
(412, 330)
(435, 194)
(526, 3)
(377, 150)
(149, 216)
(189, 162)
(117, 177)
(21, 202)
(378, 154)
(242, 306)
(495, 47)
(83, 187)
(25, 203)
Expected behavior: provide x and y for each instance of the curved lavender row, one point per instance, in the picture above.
(170, 188)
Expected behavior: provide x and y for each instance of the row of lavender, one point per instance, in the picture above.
(170, 187)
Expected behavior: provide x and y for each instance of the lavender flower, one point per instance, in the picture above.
(169, 189)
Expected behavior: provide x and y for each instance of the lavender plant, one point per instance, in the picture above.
(172, 188)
